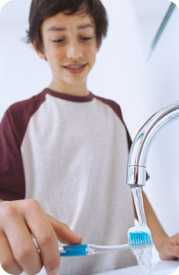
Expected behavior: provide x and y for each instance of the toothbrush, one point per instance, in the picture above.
(139, 236)
(141, 243)
(162, 26)
(89, 249)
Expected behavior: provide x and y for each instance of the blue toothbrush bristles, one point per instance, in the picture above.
(139, 236)
(141, 244)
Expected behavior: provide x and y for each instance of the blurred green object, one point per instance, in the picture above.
(3, 3)
(176, 2)
(161, 28)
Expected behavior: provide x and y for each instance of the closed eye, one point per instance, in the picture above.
(81, 38)
(86, 38)
(60, 40)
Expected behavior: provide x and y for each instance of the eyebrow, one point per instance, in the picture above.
(80, 27)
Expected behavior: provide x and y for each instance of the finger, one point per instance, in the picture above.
(44, 235)
(7, 260)
(169, 251)
(175, 251)
(20, 240)
(175, 239)
(63, 232)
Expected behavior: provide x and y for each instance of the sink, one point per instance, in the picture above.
(160, 268)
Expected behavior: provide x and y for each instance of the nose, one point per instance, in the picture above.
(74, 51)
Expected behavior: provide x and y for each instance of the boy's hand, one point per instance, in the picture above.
(22, 221)
(169, 248)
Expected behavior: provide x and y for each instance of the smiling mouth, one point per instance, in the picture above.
(75, 68)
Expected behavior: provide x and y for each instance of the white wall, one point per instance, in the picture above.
(164, 154)
(121, 73)
(21, 72)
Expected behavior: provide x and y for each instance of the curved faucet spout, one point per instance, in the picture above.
(136, 176)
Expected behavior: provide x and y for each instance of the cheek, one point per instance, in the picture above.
(92, 55)
(56, 55)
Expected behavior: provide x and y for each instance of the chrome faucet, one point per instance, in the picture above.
(136, 176)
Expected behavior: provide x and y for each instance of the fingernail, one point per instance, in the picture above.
(78, 237)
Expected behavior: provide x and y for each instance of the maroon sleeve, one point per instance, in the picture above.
(12, 184)
(12, 130)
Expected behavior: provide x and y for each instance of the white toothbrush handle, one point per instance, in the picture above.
(107, 248)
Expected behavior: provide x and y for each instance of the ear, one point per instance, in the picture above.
(40, 52)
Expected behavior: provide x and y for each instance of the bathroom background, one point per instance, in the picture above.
(121, 73)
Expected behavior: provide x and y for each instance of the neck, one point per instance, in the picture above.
(72, 89)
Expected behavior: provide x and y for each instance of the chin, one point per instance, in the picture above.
(76, 79)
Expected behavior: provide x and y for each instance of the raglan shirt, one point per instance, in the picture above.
(70, 154)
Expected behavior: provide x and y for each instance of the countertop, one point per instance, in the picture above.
(160, 268)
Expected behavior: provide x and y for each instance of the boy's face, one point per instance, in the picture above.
(69, 46)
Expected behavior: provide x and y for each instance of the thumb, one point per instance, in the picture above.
(63, 232)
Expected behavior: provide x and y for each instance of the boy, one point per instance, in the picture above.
(64, 155)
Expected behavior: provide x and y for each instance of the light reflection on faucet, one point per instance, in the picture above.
(136, 174)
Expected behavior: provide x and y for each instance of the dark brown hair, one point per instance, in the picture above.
(43, 9)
